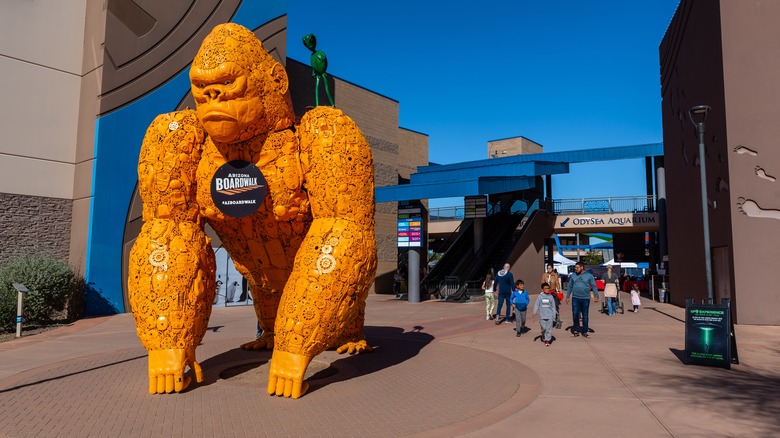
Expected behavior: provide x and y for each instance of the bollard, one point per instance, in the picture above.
(21, 289)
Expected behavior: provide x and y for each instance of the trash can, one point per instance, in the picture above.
(662, 295)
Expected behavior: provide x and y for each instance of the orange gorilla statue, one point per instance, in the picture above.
(292, 204)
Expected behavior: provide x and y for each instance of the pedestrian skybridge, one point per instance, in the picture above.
(504, 174)
(624, 214)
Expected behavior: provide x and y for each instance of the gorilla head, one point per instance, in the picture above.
(240, 91)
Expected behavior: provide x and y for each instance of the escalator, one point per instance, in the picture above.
(458, 275)
(499, 239)
(462, 244)
(459, 263)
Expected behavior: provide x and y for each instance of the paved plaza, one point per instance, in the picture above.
(439, 370)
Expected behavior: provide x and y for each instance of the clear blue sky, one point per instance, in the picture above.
(567, 74)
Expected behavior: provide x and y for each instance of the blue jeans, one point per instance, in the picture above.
(611, 305)
(580, 305)
(501, 298)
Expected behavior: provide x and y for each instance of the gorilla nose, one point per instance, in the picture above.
(213, 92)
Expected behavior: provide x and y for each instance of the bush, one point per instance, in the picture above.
(53, 286)
(593, 258)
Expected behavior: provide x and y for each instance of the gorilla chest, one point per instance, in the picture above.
(267, 187)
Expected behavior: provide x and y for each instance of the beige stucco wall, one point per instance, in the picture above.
(42, 44)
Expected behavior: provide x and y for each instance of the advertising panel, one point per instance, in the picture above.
(709, 334)
(410, 227)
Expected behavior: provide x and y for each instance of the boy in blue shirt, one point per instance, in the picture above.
(520, 300)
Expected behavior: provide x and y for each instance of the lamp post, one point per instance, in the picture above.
(698, 114)
(21, 290)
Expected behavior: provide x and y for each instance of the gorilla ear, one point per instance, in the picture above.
(279, 78)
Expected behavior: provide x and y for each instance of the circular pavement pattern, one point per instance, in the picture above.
(409, 385)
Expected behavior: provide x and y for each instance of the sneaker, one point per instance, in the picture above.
(546, 343)
(585, 335)
(517, 335)
(498, 321)
(575, 334)
(487, 318)
(506, 321)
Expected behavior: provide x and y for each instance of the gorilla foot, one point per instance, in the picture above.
(266, 340)
(285, 376)
(167, 367)
(353, 347)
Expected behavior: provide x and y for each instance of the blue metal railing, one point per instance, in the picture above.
(618, 204)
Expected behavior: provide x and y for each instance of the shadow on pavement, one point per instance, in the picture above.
(680, 354)
(743, 394)
(392, 345)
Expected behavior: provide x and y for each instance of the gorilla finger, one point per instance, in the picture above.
(169, 383)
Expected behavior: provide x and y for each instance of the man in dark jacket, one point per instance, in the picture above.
(580, 285)
(503, 284)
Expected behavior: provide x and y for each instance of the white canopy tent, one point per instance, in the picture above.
(561, 264)
(558, 259)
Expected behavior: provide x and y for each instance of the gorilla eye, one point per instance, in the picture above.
(228, 82)
(201, 85)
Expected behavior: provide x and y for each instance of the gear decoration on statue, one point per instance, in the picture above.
(326, 263)
(159, 256)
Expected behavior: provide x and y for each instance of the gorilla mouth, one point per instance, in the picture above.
(216, 116)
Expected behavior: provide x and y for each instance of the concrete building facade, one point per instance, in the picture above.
(724, 53)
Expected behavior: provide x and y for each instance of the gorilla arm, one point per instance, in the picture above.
(323, 301)
(171, 271)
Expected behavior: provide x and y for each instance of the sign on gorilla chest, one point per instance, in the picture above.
(238, 188)
(241, 189)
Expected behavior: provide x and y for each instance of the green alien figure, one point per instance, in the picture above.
(319, 64)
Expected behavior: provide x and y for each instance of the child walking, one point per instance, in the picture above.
(545, 306)
(635, 300)
(519, 300)
(490, 296)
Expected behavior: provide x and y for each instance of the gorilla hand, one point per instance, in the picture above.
(167, 367)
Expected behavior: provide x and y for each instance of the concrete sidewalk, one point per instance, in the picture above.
(439, 370)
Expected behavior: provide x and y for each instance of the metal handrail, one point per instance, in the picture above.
(617, 204)
(611, 204)
(457, 213)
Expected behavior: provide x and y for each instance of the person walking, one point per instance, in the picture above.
(503, 284)
(490, 296)
(611, 283)
(580, 285)
(520, 301)
(398, 277)
(635, 300)
(548, 314)
(551, 277)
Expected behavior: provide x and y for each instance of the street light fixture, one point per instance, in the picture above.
(698, 114)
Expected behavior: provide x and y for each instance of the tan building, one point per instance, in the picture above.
(724, 54)
(86, 77)
(513, 146)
